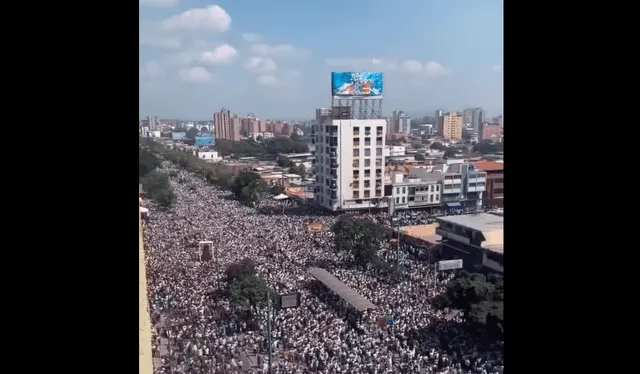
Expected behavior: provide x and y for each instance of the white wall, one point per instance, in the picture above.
(209, 155)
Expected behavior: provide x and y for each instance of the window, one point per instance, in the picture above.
(367, 162)
(430, 198)
(356, 174)
(437, 187)
(404, 199)
(397, 190)
(431, 188)
(404, 190)
(356, 153)
(367, 173)
(367, 130)
(437, 197)
(397, 200)
(356, 131)
(367, 193)
(355, 163)
(356, 194)
(367, 152)
(379, 151)
(498, 190)
(367, 142)
(367, 184)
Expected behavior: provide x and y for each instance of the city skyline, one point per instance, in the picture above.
(274, 59)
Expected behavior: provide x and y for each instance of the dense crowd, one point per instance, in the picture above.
(198, 331)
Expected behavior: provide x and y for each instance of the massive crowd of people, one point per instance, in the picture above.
(198, 331)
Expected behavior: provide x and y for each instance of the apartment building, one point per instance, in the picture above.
(415, 192)
(349, 161)
(491, 132)
(452, 126)
(494, 195)
(226, 126)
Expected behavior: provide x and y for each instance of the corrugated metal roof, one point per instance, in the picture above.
(341, 289)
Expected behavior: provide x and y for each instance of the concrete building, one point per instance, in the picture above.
(439, 121)
(415, 191)
(452, 126)
(477, 239)
(491, 132)
(394, 150)
(349, 161)
(208, 155)
(475, 117)
(404, 124)
(494, 195)
(226, 126)
(305, 159)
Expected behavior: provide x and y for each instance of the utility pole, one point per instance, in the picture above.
(269, 330)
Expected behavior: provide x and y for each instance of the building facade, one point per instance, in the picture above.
(452, 126)
(226, 126)
(349, 161)
(491, 132)
(494, 195)
(477, 239)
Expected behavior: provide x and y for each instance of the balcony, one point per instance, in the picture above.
(333, 186)
(378, 175)
(356, 145)
(453, 181)
(452, 190)
(476, 189)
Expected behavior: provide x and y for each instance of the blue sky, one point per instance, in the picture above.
(274, 58)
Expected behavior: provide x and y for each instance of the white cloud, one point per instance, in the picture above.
(251, 37)
(260, 65)
(151, 36)
(430, 69)
(211, 18)
(222, 54)
(267, 80)
(278, 51)
(152, 69)
(159, 3)
(195, 74)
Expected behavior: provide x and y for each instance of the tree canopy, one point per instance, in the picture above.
(157, 185)
(419, 157)
(482, 300)
(147, 162)
(438, 146)
(249, 187)
(268, 147)
(243, 285)
(449, 152)
(359, 237)
(486, 146)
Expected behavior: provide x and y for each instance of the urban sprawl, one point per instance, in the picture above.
(349, 243)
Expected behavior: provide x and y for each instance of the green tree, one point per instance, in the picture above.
(249, 187)
(482, 300)
(157, 186)
(438, 146)
(284, 145)
(147, 162)
(277, 189)
(486, 146)
(298, 169)
(192, 133)
(360, 237)
(419, 157)
(449, 152)
(284, 163)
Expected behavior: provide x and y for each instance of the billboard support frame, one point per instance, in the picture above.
(361, 107)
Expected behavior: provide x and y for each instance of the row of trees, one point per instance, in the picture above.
(269, 147)
(154, 183)
(482, 300)
(247, 186)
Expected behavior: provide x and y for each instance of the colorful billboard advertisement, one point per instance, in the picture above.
(361, 84)
(203, 141)
(178, 135)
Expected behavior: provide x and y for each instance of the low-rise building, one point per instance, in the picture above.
(208, 155)
(494, 195)
(305, 159)
(477, 239)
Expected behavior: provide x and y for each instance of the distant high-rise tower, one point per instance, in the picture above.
(475, 117)
(226, 127)
(439, 120)
(452, 126)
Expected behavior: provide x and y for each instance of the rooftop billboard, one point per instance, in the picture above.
(178, 135)
(360, 84)
(203, 141)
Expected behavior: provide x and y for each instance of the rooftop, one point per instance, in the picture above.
(489, 165)
(481, 222)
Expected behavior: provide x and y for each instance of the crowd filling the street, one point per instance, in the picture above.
(200, 330)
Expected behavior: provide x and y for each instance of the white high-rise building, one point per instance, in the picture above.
(350, 162)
